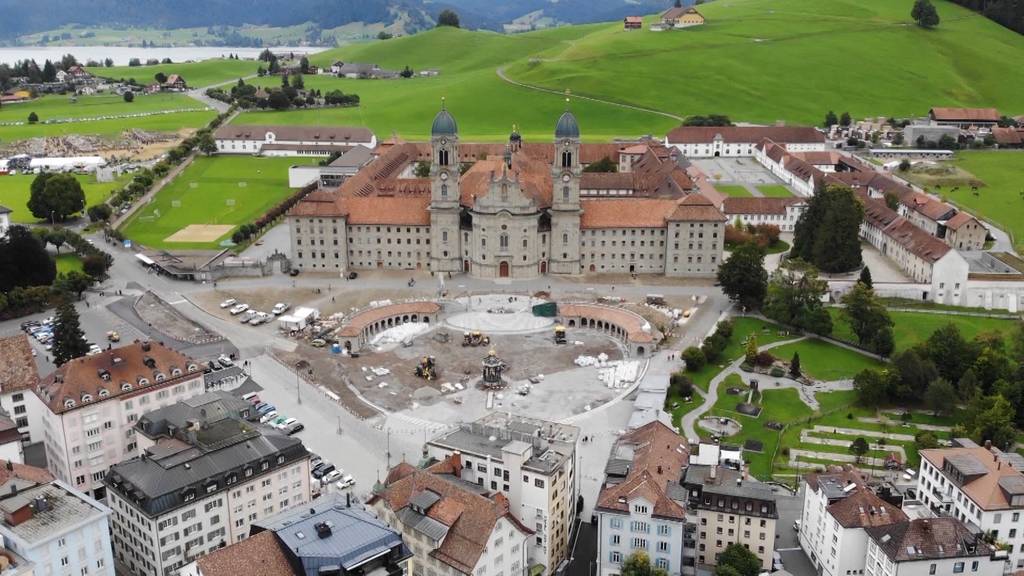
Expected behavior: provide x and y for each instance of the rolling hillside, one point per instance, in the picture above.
(756, 60)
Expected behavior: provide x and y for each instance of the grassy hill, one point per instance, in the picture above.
(755, 60)
(197, 74)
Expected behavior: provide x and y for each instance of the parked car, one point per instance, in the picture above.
(246, 316)
(315, 459)
(294, 428)
(114, 336)
(280, 308)
(225, 361)
(260, 318)
(796, 525)
(777, 561)
(277, 421)
(248, 396)
(322, 469)
(268, 417)
(94, 350)
(318, 343)
(238, 309)
(228, 303)
(347, 481)
(287, 422)
(332, 476)
(265, 408)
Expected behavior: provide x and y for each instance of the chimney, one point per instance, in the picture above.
(713, 472)
(925, 525)
(40, 504)
(988, 445)
(501, 501)
(456, 462)
(739, 481)
(323, 529)
(10, 465)
(659, 469)
(145, 346)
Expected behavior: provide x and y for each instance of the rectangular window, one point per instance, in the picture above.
(958, 568)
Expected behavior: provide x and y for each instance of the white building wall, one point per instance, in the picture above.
(878, 564)
(619, 534)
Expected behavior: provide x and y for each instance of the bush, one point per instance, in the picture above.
(129, 96)
(694, 359)
(99, 212)
(764, 359)
(725, 328)
(777, 372)
(33, 118)
(680, 385)
(713, 346)
(746, 367)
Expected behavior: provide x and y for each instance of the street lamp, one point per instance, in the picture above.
(298, 387)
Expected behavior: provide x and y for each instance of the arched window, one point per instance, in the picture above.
(565, 193)
(565, 237)
(524, 242)
(444, 190)
(566, 159)
(442, 157)
(503, 241)
(444, 236)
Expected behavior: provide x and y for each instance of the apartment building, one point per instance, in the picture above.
(532, 463)
(18, 377)
(728, 507)
(453, 526)
(88, 407)
(641, 505)
(206, 472)
(52, 527)
(981, 486)
(838, 510)
(336, 536)
(927, 546)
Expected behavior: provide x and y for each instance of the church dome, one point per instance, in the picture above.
(444, 124)
(567, 126)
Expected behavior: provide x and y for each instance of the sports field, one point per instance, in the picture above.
(196, 74)
(50, 108)
(220, 191)
(15, 192)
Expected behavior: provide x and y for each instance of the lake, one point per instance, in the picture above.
(121, 54)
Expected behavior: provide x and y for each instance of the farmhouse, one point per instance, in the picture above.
(174, 83)
(632, 22)
(740, 141)
(681, 17)
(964, 117)
(291, 140)
(520, 210)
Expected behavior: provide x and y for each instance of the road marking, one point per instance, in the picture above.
(176, 302)
(787, 549)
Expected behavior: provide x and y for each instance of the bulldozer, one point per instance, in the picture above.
(427, 368)
(559, 334)
(475, 339)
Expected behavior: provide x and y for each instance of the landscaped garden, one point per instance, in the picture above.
(774, 191)
(912, 328)
(734, 190)
(825, 361)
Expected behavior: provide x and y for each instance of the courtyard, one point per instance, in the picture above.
(742, 177)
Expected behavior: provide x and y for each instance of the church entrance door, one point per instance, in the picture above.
(503, 269)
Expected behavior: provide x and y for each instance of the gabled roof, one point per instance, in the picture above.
(673, 13)
(659, 455)
(965, 114)
(961, 219)
(735, 205)
(903, 231)
(862, 508)
(928, 539)
(625, 212)
(696, 208)
(261, 554)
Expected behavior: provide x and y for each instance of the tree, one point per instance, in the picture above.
(134, 62)
(868, 318)
(24, 260)
(904, 165)
(968, 387)
(278, 100)
(49, 72)
(96, 266)
(57, 237)
(74, 282)
(129, 96)
(298, 82)
(925, 440)
(949, 351)
(925, 14)
(859, 448)
(605, 164)
(795, 299)
(680, 385)
(865, 277)
(794, 365)
(743, 277)
(33, 118)
(845, 120)
(67, 335)
(872, 388)
(750, 350)
(827, 233)
(988, 418)
(639, 564)
(406, 72)
(694, 358)
(939, 396)
(206, 144)
(831, 119)
(160, 77)
(448, 18)
(99, 212)
(304, 65)
(738, 558)
(56, 198)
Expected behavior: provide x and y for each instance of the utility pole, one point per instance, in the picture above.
(298, 389)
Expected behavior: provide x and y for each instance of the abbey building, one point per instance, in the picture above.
(516, 210)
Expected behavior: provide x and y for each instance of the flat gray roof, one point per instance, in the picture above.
(65, 510)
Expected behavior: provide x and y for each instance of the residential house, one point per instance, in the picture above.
(175, 83)
(642, 505)
(207, 471)
(983, 486)
(632, 22)
(926, 546)
(728, 507)
(18, 378)
(87, 408)
(336, 536)
(681, 17)
(54, 528)
(453, 526)
(530, 462)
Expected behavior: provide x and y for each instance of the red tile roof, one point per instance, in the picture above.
(659, 455)
(696, 208)
(734, 205)
(1008, 136)
(9, 470)
(904, 232)
(626, 212)
(258, 555)
(17, 366)
(862, 508)
(745, 134)
(983, 490)
(393, 210)
(965, 114)
(959, 220)
(126, 368)
(633, 324)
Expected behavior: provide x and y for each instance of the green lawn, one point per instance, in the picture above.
(56, 107)
(751, 53)
(203, 193)
(1000, 199)
(910, 328)
(743, 327)
(774, 191)
(825, 361)
(67, 262)
(734, 190)
(109, 128)
(15, 191)
(196, 74)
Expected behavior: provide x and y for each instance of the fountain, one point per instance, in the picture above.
(493, 367)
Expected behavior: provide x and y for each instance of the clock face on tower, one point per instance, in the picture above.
(566, 177)
(444, 175)
(444, 141)
(566, 143)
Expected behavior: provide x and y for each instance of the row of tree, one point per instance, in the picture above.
(1009, 13)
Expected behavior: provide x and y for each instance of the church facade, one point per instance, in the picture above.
(519, 210)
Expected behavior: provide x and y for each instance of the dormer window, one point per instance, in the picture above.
(143, 381)
(248, 471)
(192, 368)
(188, 495)
(211, 487)
(280, 459)
(160, 377)
(126, 387)
(264, 465)
(86, 398)
(69, 403)
(103, 393)
(231, 478)
(175, 372)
